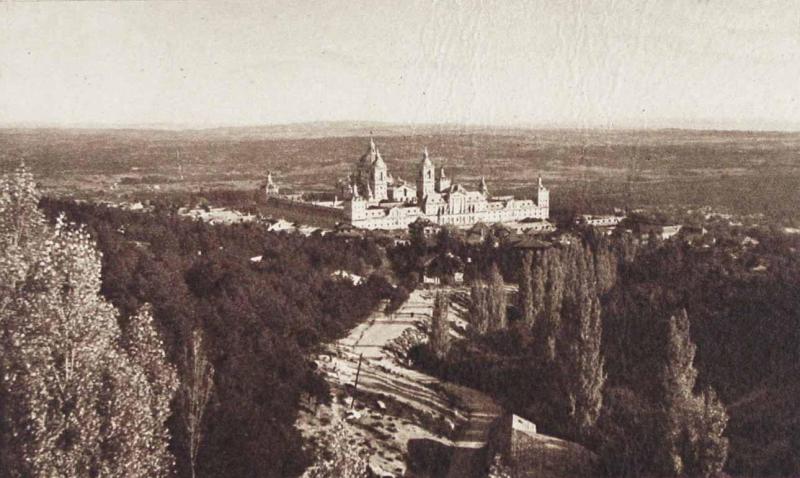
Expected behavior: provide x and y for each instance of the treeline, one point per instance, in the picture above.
(771, 193)
(260, 301)
(248, 201)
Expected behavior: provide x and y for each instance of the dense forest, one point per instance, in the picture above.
(259, 320)
(695, 340)
(744, 309)
(667, 358)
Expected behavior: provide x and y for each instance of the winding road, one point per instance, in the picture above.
(478, 411)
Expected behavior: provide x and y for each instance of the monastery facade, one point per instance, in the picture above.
(375, 200)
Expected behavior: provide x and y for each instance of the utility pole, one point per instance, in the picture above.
(355, 387)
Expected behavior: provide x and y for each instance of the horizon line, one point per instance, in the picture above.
(555, 126)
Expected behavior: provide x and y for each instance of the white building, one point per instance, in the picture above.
(376, 201)
(600, 221)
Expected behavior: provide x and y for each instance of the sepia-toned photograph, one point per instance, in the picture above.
(400, 238)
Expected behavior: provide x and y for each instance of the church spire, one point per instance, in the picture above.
(426, 160)
(426, 182)
(378, 161)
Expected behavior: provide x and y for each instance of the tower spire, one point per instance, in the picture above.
(426, 160)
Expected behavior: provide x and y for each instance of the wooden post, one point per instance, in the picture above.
(355, 388)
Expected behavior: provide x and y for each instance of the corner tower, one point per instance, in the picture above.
(426, 181)
(355, 209)
(543, 198)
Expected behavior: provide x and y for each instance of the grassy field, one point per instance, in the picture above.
(592, 170)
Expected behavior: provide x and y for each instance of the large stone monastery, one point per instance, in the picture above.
(375, 200)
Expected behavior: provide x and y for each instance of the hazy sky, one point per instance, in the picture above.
(711, 63)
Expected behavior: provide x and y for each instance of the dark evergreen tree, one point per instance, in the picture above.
(538, 285)
(583, 373)
(554, 295)
(679, 375)
(692, 426)
(497, 300)
(525, 294)
(439, 333)
(479, 307)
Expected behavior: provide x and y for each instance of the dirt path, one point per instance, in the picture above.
(469, 454)
(396, 405)
(480, 410)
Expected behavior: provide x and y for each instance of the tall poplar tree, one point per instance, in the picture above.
(692, 425)
(439, 335)
(538, 285)
(584, 367)
(479, 316)
(554, 296)
(77, 398)
(497, 300)
(195, 393)
(525, 293)
(583, 373)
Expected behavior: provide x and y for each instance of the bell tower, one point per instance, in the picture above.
(379, 178)
(543, 198)
(426, 180)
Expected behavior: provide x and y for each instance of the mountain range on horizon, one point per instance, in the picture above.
(321, 129)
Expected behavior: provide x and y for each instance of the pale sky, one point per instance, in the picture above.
(637, 63)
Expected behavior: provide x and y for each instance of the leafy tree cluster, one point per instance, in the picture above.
(339, 456)
(567, 325)
(745, 325)
(553, 348)
(79, 395)
(488, 303)
(557, 366)
(260, 301)
(673, 432)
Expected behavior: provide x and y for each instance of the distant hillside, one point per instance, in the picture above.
(327, 129)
